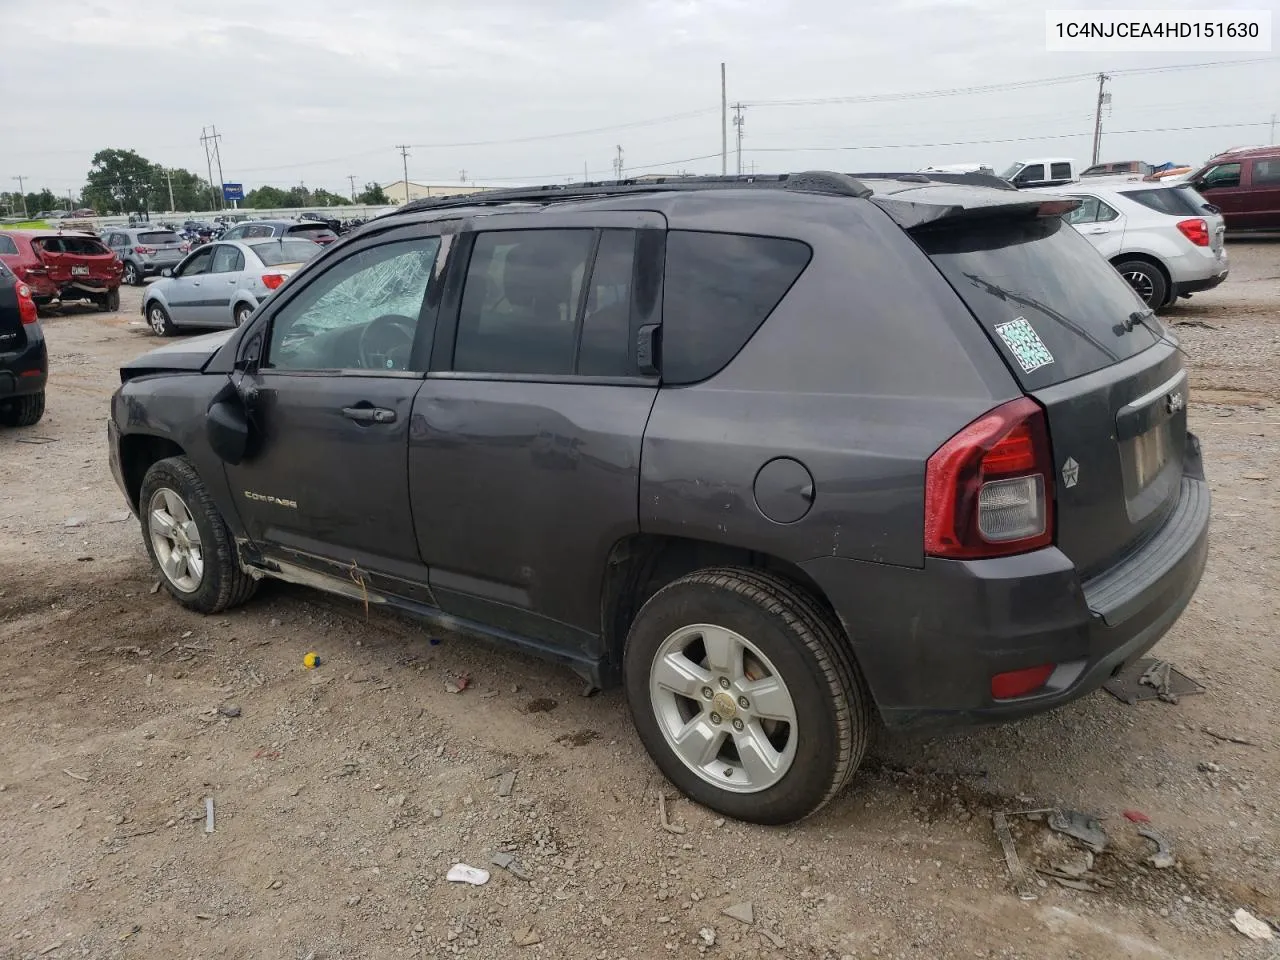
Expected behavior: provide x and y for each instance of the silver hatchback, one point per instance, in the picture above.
(145, 251)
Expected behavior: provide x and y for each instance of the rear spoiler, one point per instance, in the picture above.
(933, 205)
(972, 179)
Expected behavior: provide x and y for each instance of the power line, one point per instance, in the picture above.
(1008, 85)
(570, 133)
(970, 143)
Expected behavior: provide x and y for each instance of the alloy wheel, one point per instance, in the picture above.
(1141, 284)
(723, 708)
(176, 540)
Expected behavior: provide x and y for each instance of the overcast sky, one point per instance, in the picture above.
(311, 91)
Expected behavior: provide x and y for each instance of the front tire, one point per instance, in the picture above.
(188, 541)
(1147, 280)
(746, 695)
(158, 320)
(22, 411)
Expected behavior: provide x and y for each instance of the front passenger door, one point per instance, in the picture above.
(327, 487)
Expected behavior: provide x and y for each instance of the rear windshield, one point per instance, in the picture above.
(163, 236)
(1052, 306)
(275, 252)
(312, 232)
(81, 246)
(1175, 201)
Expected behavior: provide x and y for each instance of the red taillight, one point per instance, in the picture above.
(26, 305)
(272, 280)
(1195, 230)
(1018, 683)
(989, 489)
(144, 250)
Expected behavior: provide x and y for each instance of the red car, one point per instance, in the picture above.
(63, 266)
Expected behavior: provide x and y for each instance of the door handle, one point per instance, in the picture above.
(1098, 230)
(369, 414)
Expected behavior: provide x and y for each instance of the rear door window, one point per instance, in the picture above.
(1060, 171)
(1053, 307)
(718, 289)
(606, 319)
(1266, 173)
(312, 232)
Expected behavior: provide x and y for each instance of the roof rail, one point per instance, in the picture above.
(918, 176)
(817, 181)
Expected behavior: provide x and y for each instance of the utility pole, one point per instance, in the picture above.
(617, 164)
(1273, 128)
(724, 124)
(168, 175)
(1103, 98)
(217, 153)
(70, 202)
(208, 166)
(585, 176)
(404, 155)
(22, 194)
(352, 178)
(737, 122)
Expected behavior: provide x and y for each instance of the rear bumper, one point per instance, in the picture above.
(930, 640)
(24, 371)
(1188, 287)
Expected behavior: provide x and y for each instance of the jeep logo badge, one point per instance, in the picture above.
(1175, 401)
(1070, 472)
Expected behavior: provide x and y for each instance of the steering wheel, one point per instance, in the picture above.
(385, 343)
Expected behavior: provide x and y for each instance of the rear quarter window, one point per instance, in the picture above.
(717, 291)
(7, 246)
(1054, 309)
(1170, 200)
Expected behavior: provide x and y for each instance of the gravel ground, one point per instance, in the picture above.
(343, 794)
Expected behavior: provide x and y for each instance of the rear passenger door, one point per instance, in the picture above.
(224, 278)
(1260, 209)
(524, 455)
(1101, 223)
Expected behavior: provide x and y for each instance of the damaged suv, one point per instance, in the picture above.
(777, 454)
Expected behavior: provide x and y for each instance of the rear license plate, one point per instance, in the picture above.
(79, 271)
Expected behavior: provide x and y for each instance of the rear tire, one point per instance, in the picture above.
(788, 718)
(1147, 280)
(188, 541)
(22, 411)
(158, 320)
(109, 301)
(242, 313)
(132, 275)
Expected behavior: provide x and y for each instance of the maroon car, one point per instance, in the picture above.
(1245, 186)
(63, 266)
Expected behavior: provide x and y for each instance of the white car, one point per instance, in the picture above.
(1164, 238)
(221, 284)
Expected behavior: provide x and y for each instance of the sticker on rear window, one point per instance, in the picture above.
(1025, 344)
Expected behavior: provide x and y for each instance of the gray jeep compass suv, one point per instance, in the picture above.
(778, 454)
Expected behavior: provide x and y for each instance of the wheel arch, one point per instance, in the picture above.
(138, 451)
(639, 565)
(1148, 258)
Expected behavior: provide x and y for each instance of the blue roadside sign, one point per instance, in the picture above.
(233, 191)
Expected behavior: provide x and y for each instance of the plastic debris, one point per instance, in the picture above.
(1088, 830)
(229, 710)
(509, 863)
(708, 936)
(458, 684)
(1136, 816)
(462, 873)
(507, 784)
(667, 825)
(1163, 858)
(527, 937)
(311, 660)
(742, 912)
(1251, 926)
(208, 814)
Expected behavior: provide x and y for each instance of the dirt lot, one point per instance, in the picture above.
(344, 794)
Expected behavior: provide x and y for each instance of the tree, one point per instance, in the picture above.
(323, 198)
(120, 181)
(46, 199)
(373, 195)
(266, 198)
(190, 191)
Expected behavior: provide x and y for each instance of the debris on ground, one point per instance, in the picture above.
(526, 937)
(1088, 830)
(773, 938)
(1021, 883)
(229, 710)
(742, 912)
(509, 863)
(1136, 816)
(75, 776)
(311, 660)
(463, 873)
(1208, 766)
(1229, 738)
(208, 814)
(1163, 858)
(707, 936)
(155, 587)
(507, 783)
(667, 825)
(1251, 926)
(1150, 679)
(457, 684)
